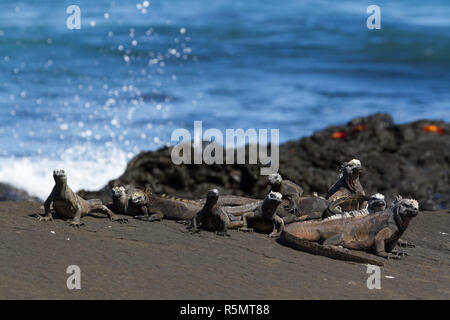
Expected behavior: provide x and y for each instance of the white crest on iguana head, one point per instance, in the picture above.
(59, 172)
(275, 178)
(411, 202)
(213, 192)
(118, 191)
(353, 163)
(377, 196)
(275, 195)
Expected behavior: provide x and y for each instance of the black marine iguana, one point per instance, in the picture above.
(287, 188)
(212, 217)
(294, 207)
(377, 232)
(155, 208)
(340, 206)
(264, 219)
(68, 204)
(348, 182)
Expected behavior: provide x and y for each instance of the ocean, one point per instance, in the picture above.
(88, 100)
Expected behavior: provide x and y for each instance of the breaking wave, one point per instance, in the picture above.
(87, 168)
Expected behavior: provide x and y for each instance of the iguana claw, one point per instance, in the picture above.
(393, 256)
(120, 220)
(146, 218)
(405, 244)
(75, 224)
(194, 230)
(274, 235)
(44, 218)
(222, 233)
(400, 253)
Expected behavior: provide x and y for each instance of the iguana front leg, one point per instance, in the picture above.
(245, 218)
(293, 209)
(195, 223)
(334, 240)
(48, 213)
(380, 238)
(156, 216)
(225, 222)
(76, 221)
(278, 224)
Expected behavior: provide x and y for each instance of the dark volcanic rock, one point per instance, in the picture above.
(397, 159)
(10, 193)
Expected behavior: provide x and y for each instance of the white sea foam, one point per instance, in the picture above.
(87, 168)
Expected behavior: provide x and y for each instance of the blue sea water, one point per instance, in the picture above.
(88, 100)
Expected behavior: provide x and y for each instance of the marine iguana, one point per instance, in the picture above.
(376, 203)
(214, 218)
(348, 182)
(68, 204)
(377, 232)
(120, 200)
(156, 207)
(130, 201)
(285, 187)
(306, 208)
(294, 207)
(264, 219)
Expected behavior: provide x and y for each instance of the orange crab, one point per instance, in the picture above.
(434, 128)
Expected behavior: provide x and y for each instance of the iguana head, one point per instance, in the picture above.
(275, 179)
(353, 167)
(274, 197)
(406, 208)
(118, 192)
(138, 198)
(351, 170)
(271, 202)
(212, 196)
(377, 203)
(59, 176)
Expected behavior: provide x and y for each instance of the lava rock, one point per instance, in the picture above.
(10, 193)
(404, 159)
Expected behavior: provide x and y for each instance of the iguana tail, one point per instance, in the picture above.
(291, 241)
(240, 210)
(193, 202)
(232, 200)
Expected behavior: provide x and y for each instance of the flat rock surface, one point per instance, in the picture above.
(161, 260)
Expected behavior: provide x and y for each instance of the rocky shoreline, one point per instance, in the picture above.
(410, 159)
(11, 193)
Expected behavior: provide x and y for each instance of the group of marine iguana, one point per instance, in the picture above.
(345, 219)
